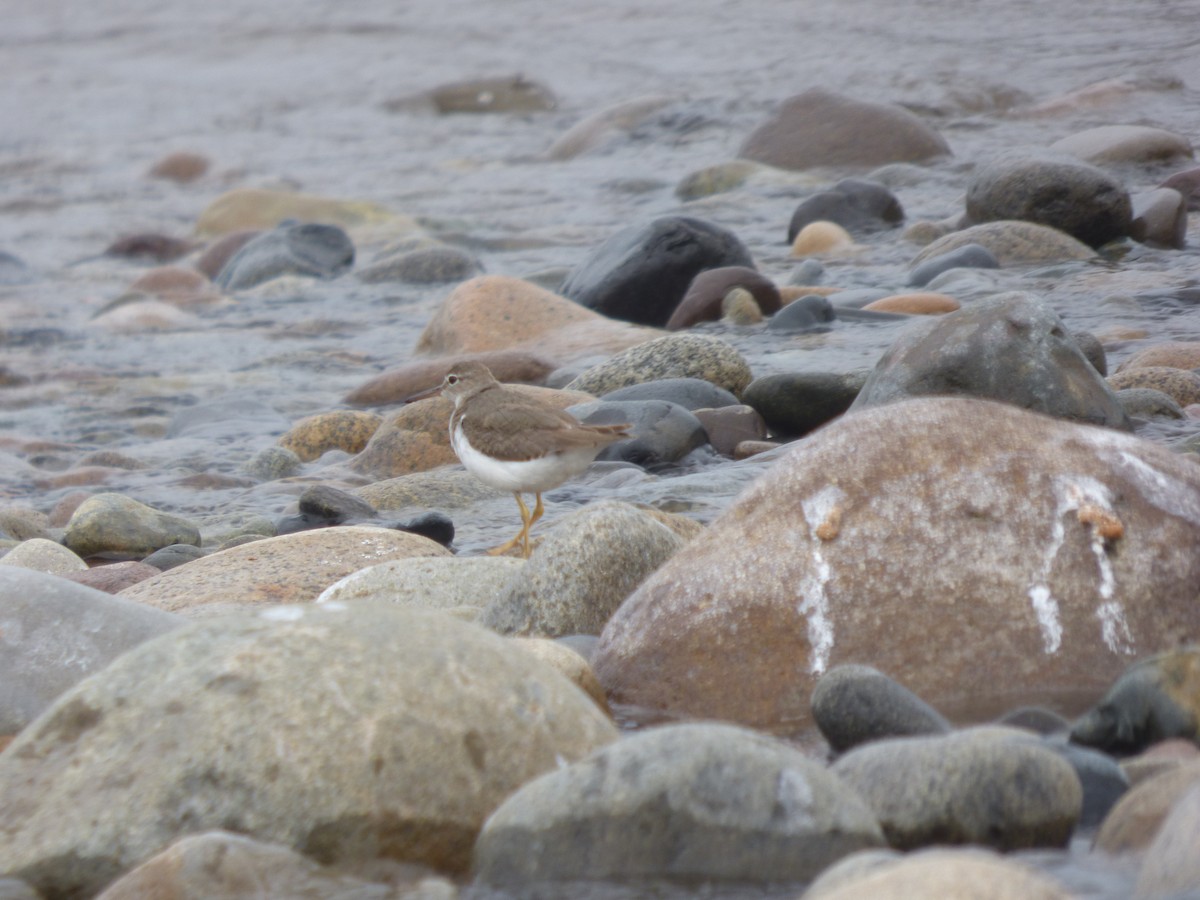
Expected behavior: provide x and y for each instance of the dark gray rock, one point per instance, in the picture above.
(1012, 348)
(823, 128)
(54, 633)
(334, 506)
(1093, 350)
(312, 250)
(855, 704)
(663, 432)
(173, 555)
(690, 393)
(795, 403)
(1101, 778)
(641, 273)
(857, 204)
(703, 300)
(1155, 699)
(1057, 191)
(1147, 403)
(991, 786)
(809, 313)
(968, 256)
(683, 802)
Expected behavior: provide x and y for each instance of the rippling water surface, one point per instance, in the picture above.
(290, 93)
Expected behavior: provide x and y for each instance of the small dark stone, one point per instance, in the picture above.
(690, 393)
(434, 525)
(1093, 350)
(641, 273)
(1102, 779)
(855, 704)
(158, 248)
(968, 256)
(311, 249)
(334, 506)
(808, 313)
(795, 403)
(858, 205)
(662, 432)
(702, 302)
(173, 555)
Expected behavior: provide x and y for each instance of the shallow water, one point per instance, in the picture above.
(290, 94)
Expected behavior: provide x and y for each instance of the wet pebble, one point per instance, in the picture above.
(112, 578)
(718, 179)
(150, 246)
(988, 786)
(444, 488)
(273, 463)
(343, 429)
(857, 204)
(114, 526)
(793, 404)
(1160, 218)
(822, 239)
(690, 393)
(925, 303)
(1148, 403)
(418, 786)
(1138, 815)
(808, 313)
(1173, 354)
(824, 128)
(1171, 867)
(173, 555)
(705, 296)
(1037, 366)
(970, 256)
(424, 265)
(311, 250)
(856, 704)
(1012, 243)
(399, 384)
(181, 166)
(181, 287)
(1112, 144)
(663, 432)
(743, 807)
(729, 426)
(1100, 777)
(672, 356)
(581, 571)
(642, 273)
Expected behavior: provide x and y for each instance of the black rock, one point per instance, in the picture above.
(641, 273)
(857, 204)
(312, 250)
(855, 704)
(434, 525)
(794, 404)
(968, 256)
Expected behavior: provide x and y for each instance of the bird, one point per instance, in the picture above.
(514, 442)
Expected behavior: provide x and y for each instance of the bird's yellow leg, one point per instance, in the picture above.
(522, 536)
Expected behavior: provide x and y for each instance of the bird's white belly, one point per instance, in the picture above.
(534, 475)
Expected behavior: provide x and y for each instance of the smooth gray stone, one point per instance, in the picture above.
(793, 404)
(690, 393)
(968, 256)
(663, 432)
(857, 204)
(173, 555)
(809, 313)
(311, 249)
(855, 704)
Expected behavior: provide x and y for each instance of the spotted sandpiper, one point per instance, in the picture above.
(515, 442)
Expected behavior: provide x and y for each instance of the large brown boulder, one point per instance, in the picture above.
(984, 556)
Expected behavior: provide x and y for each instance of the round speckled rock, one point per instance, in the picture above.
(1011, 243)
(343, 429)
(42, 555)
(1180, 385)
(1173, 354)
(993, 786)
(584, 568)
(118, 527)
(672, 356)
(1053, 190)
(271, 463)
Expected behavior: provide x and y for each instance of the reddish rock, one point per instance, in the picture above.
(219, 252)
(1171, 354)
(984, 556)
(1133, 823)
(114, 578)
(918, 304)
(181, 166)
(702, 302)
(177, 286)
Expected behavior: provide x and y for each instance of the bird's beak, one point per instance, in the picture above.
(422, 395)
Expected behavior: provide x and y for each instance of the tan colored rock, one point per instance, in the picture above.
(1172, 354)
(180, 166)
(867, 541)
(496, 312)
(258, 208)
(946, 874)
(1172, 864)
(444, 488)
(345, 731)
(1012, 243)
(1180, 385)
(917, 304)
(1164, 756)
(1134, 822)
(291, 568)
(1108, 144)
(342, 429)
(397, 385)
(568, 662)
(178, 286)
(115, 577)
(142, 316)
(42, 555)
(822, 239)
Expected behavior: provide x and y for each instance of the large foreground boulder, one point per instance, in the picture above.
(984, 556)
(343, 731)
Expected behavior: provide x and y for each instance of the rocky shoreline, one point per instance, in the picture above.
(892, 592)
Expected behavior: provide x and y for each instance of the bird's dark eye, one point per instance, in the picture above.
(451, 379)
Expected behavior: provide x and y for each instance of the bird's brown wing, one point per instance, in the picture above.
(523, 431)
